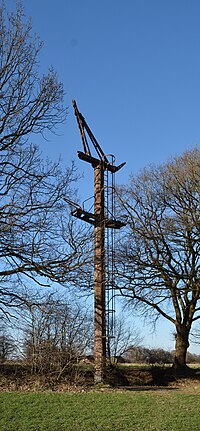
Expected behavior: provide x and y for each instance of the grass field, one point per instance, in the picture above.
(133, 410)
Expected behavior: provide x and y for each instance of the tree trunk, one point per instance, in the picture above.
(181, 346)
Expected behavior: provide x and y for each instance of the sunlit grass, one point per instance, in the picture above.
(167, 410)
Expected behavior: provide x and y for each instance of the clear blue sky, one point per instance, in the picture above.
(133, 67)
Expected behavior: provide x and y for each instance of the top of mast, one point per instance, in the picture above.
(86, 133)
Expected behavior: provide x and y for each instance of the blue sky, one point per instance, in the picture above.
(133, 67)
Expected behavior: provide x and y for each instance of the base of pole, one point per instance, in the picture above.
(98, 378)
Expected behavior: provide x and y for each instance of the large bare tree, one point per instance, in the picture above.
(159, 265)
(29, 103)
(39, 242)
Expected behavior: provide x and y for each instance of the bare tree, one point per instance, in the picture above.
(29, 103)
(39, 241)
(159, 261)
(57, 334)
(126, 335)
(195, 335)
(8, 346)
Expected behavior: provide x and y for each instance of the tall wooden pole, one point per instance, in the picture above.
(99, 275)
(100, 165)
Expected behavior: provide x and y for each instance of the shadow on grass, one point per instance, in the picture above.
(155, 377)
(15, 376)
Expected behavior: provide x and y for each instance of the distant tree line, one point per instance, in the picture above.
(46, 356)
(143, 355)
(57, 335)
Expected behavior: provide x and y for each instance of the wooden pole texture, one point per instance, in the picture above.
(99, 275)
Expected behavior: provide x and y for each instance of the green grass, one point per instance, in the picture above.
(167, 410)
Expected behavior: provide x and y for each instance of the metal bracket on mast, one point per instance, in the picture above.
(86, 155)
(92, 219)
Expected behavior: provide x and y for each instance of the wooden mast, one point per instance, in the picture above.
(100, 165)
(99, 276)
